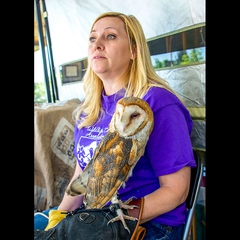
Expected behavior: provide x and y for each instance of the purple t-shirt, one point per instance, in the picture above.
(168, 149)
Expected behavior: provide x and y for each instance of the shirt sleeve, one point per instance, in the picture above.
(169, 147)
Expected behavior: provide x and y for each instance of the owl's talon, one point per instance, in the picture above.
(125, 204)
(121, 216)
(128, 201)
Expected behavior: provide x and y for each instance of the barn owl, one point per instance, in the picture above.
(115, 157)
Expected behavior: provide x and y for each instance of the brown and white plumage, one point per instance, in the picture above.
(115, 156)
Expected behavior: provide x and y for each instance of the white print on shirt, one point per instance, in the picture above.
(96, 132)
(87, 144)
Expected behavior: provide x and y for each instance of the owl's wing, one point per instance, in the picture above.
(78, 186)
(110, 169)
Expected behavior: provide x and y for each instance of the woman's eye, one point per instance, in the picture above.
(91, 39)
(111, 36)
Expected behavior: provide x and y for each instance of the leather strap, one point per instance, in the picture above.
(139, 231)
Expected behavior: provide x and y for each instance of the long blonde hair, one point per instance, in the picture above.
(140, 74)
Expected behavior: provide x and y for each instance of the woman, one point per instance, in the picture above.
(119, 65)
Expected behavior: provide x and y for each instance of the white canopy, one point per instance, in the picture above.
(69, 25)
(70, 20)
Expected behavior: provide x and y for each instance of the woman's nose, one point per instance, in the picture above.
(98, 45)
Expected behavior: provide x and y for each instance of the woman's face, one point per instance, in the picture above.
(109, 52)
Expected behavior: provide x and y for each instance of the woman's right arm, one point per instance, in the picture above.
(70, 203)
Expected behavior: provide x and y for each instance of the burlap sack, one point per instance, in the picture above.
(54, 162)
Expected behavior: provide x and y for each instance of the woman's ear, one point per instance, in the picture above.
(134, 51)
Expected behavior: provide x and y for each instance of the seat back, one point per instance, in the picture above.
(196, 177)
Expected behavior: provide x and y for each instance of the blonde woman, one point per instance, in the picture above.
(119, 65)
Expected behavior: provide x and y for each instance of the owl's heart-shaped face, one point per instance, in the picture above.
(129, 118)
(133, 117)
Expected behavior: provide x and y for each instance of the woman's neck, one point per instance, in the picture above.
(111, 87)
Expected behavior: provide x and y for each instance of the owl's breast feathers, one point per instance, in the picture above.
(111, 167)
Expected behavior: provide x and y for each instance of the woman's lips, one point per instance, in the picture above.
(98, 57)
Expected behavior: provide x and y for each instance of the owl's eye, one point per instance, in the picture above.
(134, 115)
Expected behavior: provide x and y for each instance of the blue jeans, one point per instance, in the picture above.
(40, 222)
(157, 231)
